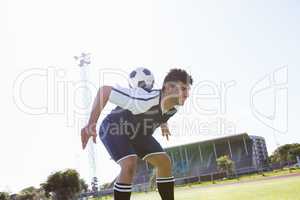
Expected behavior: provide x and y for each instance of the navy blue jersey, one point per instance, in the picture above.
(137, 111)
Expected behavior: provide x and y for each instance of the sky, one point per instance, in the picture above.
(243, 56)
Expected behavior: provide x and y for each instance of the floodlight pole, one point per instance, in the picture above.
(84, 61)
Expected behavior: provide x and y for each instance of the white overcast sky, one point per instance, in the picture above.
(235, 50)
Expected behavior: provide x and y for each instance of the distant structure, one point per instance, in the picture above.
(13, 197)
(84, 59)
(197, 161)
(260, 155)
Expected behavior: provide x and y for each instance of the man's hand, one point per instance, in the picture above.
(165, 131)
(86, 132)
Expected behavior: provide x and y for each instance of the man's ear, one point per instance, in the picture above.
(168, 86)
(165, 87)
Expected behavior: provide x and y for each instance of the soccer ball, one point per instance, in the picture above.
(141, 77)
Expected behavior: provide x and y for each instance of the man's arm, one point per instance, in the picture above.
(98, 105)
(136, 100)
(165, 130)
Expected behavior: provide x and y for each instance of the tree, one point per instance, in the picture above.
(225, 164)
(286, 153)
(64, 185)
(295, 152)
(83, 186)
(272, 159)
(4, 196)
(31, 193)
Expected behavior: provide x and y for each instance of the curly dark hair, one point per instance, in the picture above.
(175, 75)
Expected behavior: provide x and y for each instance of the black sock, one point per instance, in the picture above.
(166, 187)
(122, 191)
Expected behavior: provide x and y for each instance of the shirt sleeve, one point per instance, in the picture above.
(137, 100)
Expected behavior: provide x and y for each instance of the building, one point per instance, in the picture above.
(197, 161)
(260, 153)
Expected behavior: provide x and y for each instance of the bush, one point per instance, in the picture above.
(4, 196)
(64, 185)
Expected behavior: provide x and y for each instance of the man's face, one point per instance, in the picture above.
(179, 91)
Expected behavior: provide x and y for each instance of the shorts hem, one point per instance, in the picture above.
(130, 155)
(155, 153)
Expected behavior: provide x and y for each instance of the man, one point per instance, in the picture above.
(127, 131)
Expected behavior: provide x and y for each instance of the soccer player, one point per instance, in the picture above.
(127, 131)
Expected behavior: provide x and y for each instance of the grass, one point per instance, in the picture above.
(278, 189)
(252, 177)
(260, 188)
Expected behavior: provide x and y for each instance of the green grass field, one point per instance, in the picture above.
(276, 189)
(287, 188)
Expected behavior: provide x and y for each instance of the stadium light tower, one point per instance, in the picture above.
(84, 61)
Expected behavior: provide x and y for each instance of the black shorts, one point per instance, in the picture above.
(121, 145)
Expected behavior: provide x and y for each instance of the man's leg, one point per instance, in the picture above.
(123, 185)
(164, 178)
(120, 149)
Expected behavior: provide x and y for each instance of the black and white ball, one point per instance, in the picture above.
(141, 77)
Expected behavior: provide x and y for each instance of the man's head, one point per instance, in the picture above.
(176, 86)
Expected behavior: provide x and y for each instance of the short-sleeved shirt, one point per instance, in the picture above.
(138, 111)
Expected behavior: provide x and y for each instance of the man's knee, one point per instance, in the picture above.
(129, 165)
(166, 162)
(160, 161)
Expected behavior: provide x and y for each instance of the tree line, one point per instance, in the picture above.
(61, 185)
